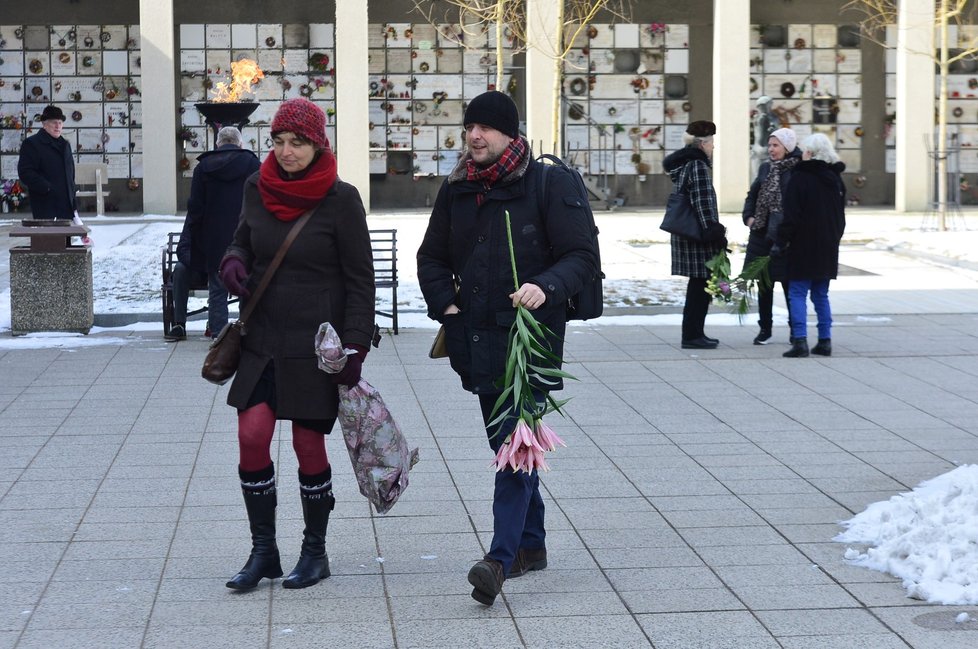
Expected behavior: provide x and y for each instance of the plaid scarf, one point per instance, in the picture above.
(769, 197)
(508, 162)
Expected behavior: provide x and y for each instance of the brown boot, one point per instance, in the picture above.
(487, 579)
(526, 560)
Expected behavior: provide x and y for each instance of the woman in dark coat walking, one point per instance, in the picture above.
(326, 276)
(763, 214)
(814, 220)
(48, 170)
(689, 169)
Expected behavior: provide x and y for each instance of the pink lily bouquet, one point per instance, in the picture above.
(526, 356)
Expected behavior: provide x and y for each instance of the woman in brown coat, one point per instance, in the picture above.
(326, 276)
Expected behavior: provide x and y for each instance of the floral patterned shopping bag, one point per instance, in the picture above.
(379, 452)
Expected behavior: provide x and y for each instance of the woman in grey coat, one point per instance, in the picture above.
(326, 275)
(689, 169)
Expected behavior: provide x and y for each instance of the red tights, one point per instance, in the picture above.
(256, 426)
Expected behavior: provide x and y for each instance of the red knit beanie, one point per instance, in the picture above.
(303, 118)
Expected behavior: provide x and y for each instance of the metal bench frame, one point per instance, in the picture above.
(383, 244)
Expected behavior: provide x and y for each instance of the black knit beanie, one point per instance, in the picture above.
(494, 109)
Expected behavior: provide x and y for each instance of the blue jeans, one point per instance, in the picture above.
(217, 296)
(517, 506)
(798, 291)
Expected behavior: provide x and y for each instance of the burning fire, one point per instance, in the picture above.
(243, 73)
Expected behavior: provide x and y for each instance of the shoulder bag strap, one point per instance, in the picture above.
(272, 267)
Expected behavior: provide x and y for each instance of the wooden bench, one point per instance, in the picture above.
(382, 242)
(91, 178)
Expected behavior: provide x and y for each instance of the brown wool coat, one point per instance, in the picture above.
(326, 276)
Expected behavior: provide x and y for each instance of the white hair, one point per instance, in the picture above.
(820, 148)
(229, 135)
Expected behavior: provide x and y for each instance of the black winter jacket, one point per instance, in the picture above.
(814, 220)
(48, 170)
(465, 246)
(214, 206)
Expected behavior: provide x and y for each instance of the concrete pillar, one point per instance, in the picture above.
(731, 102)
(914, 105)
(159, 104)
(542, 78)
(352, 91)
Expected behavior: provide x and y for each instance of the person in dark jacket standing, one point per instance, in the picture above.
(814, 220)
(212, 216)
(689, 169)
(48, 169)
(763, 214)
(327, 275)
(466, 277)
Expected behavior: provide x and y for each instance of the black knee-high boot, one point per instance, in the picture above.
(258, 488)
(316, 492)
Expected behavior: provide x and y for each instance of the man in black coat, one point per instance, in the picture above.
(47, 168)
(212, 216)
(467, 280)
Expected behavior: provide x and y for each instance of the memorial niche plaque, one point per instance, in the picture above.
(825, 110)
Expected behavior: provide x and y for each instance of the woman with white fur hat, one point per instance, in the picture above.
(763, 214)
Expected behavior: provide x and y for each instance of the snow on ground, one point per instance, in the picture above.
(927, 537)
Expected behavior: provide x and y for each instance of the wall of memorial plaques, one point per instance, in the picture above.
(962, 105)
(813, 74)
(92, 72)
(297, 60)
(627, 96)
(421, 77)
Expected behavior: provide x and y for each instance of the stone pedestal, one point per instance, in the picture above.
(51, 291)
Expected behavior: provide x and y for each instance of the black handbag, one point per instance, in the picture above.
(680, 218)
(224, 354)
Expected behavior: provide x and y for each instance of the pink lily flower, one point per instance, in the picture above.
(547, 437)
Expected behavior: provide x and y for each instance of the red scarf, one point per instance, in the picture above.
(508, 162)
(288, 198)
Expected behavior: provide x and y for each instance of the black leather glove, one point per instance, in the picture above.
(350, 374)
(715, 231)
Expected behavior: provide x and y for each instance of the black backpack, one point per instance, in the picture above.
(589, 303)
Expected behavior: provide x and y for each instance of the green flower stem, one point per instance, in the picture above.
(512, 253)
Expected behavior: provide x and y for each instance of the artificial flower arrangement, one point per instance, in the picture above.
(12, 193)
(736, 291)
(523, 449)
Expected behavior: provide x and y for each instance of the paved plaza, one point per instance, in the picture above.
(693, 508)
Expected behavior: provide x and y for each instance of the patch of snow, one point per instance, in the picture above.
(927, 537)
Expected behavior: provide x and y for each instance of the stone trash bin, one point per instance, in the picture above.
(50, 279)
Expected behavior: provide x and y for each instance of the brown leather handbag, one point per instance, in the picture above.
(225, 352)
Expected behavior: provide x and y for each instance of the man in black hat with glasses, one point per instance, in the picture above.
(48, 169)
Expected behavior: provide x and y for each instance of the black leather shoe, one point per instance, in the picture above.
(487, 578)
(715, 341)
(700, 343)
(527, 560)
(823, 348)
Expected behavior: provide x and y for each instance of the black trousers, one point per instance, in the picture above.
(694, 311)
(758, 246)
